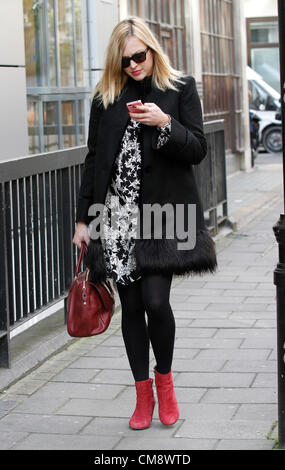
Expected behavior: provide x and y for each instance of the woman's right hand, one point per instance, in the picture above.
(81, 234)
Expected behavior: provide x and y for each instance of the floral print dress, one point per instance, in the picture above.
(120, 215)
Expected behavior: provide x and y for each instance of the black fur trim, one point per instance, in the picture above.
(157, 256)
(162, 256)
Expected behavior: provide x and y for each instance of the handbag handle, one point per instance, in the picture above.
(105, 285)
(82, 249)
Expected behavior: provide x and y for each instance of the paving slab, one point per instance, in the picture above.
(224, 429)
(9, 439)
(254, 412)
(79, 390)
(238, 354)
(268, 333)
(141, 443)
(245, 444)
(43, 423)
(214, 379)
(249, 366)
(240, 395)
(65, 442)
(265, 380)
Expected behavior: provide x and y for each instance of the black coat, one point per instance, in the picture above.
(167, 175)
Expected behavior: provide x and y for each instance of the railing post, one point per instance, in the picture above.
(4, 302)
(67, 226)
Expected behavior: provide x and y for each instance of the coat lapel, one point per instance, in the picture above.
(114, 120)
(112, 126)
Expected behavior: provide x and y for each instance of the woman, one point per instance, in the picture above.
(137, 159)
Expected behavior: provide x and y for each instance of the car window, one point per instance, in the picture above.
(259, 99)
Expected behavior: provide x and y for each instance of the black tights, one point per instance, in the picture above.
(148, 294)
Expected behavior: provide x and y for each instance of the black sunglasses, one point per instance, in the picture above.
(138, 58)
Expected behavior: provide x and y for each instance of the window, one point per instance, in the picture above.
(263, 49)
(221, 77)
(55, 123)
(56, 91)
(167, 21)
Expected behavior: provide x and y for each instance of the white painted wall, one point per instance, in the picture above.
(13, 109)
(103, 16)
(241, 51)
(259, 8)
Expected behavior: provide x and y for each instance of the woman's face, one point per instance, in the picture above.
(143, 69)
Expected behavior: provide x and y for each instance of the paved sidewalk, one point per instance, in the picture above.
(224, 362)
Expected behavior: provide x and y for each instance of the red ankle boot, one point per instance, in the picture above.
(142, 415)
(167, 403)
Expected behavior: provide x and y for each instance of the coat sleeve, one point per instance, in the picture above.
(87, 181)
(187, 142)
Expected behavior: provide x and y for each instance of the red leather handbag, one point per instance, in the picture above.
(90, 306)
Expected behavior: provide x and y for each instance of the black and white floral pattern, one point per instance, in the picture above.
(121, 204)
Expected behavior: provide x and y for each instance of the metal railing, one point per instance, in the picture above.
(38, 198)
(211, 177)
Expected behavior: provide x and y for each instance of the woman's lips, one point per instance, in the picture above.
(136, 72)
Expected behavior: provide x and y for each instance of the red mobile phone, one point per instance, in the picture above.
(133, 106)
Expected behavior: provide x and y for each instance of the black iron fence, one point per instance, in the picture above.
(37, 220)
(210, 175)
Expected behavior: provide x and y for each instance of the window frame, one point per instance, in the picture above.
(58, 93)
(162, 18)
(258, 45)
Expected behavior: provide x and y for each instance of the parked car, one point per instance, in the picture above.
(265, 102)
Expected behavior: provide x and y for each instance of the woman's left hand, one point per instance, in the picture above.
(152, 115)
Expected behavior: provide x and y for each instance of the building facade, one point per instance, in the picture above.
(58, 50)
(206, 38)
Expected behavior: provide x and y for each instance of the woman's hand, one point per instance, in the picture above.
(81, 234)
(152, 115)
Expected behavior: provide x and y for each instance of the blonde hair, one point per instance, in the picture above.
(113, 80)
